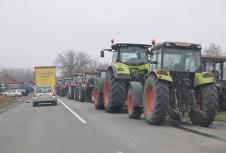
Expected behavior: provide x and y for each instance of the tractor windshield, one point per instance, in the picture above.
(67, 80)
(181, 59)
(78, 78)
(133, 55)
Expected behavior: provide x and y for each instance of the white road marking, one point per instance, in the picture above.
(119, 152)
(75, 114)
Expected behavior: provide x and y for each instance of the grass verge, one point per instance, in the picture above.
(5, 101)
(221, 116)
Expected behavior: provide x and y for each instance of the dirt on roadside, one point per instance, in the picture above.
(8, 102)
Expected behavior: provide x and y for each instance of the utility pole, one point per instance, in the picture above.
(1, 76)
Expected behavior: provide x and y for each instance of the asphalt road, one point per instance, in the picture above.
(74, 127)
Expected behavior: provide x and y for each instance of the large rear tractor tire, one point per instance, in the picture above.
(75, 95)
(81, 96)
(135, 100)
(156, 100)
(206, 107)
(70, 94)
(114, 94)
(98, 93)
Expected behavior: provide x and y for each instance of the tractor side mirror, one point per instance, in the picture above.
(102, 53)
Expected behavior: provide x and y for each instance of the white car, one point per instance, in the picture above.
(44, 94)
(12, 93)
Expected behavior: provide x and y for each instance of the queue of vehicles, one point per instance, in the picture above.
(168, 79)
(157, 80)
(5, 91)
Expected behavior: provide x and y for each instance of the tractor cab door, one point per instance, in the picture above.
(156, 59)
(115, 57)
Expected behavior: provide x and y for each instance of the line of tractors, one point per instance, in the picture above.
(168, 79)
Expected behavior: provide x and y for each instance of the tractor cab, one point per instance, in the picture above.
(77, 78)
(129, 54)
(214, 64)
(129, 61)
(102, 72)
(176, 56)
(89, 75)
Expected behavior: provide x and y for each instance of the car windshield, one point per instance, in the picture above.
(181, 59)
(44, 90)
(133, 55)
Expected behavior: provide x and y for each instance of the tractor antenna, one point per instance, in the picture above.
(112, 41)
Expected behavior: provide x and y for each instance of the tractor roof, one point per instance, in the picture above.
(115, 46)
(177, 44)
(77, 74)
(102, 69)
(219, 58)
(91, 72)
(67, 78)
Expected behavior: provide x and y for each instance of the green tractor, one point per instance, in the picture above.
(76, 79)
(129, 63)
(175, 86)
(63, 88)
(85, 88)
(216, 65)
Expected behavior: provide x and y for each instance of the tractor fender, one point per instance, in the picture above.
(204, 78)
(137, 89)
(116, 75)
(161, 75)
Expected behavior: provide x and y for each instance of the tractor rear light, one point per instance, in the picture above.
(162, 72)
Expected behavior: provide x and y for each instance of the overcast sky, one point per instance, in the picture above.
(33, 32)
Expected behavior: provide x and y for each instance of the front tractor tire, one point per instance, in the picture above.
(206, 107)
(156, 100)
(135, 100)
(114, 94)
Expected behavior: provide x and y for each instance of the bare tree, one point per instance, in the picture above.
(66, 62)
(21, 75)
(70, 62)
(103, 65)
(212, 49)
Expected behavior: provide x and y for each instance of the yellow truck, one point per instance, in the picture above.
(45, 76)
